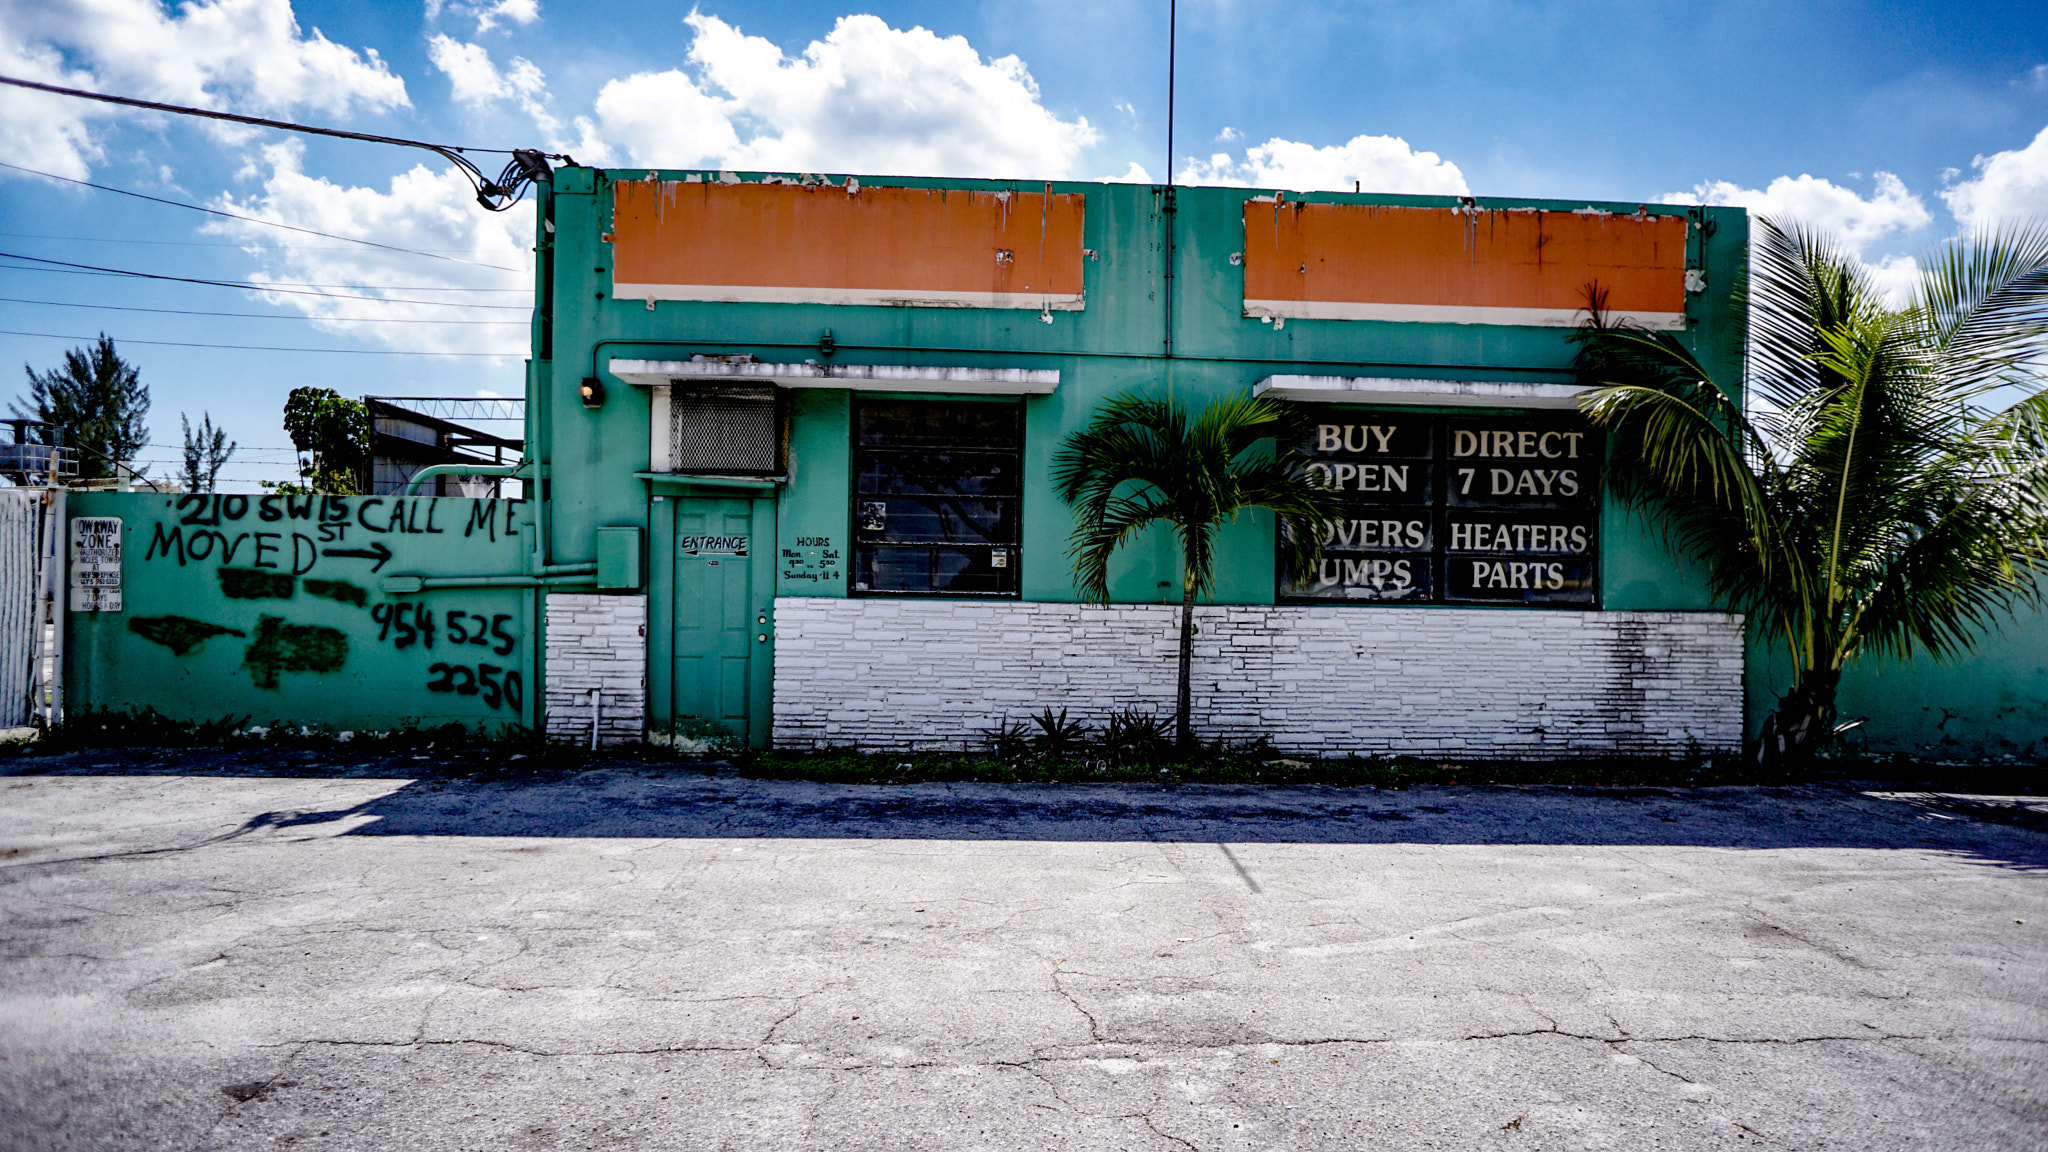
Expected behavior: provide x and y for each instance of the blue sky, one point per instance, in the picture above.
(1893, 124)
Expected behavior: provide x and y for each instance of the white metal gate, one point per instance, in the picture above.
(30, 519)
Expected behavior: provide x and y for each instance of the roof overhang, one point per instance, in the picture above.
(1451, 393)
(857, 377)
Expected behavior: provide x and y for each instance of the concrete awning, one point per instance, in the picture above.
(857, 377)
(1453, 393)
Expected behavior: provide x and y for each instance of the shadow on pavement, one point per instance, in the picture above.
(637, 801)
(611, 804)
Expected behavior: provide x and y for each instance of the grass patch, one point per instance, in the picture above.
(1252, 766)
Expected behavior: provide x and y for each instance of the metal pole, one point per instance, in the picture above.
(1172, 29)
(60, 604)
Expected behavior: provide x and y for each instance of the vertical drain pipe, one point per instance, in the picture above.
(596, 715)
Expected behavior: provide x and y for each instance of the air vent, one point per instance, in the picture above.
(724, 429)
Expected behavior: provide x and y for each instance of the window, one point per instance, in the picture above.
(725, 428)
(935, 496)
(1501, 508)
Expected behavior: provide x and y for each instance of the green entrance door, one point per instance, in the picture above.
(716, 634)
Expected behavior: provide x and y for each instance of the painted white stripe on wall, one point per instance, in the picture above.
(885, 297)
(1450, 314)
(894, 674)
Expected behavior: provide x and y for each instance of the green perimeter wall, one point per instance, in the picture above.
(1991, 704)
(241, 606)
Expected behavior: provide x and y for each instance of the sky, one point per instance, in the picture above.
(1892, 125)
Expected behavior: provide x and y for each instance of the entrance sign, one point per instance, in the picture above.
(96, 564)
(1495, 509)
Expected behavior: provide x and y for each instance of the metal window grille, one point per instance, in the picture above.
(724, 429)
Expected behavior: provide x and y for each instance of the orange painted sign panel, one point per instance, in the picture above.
(794, 243)
(1460, 265)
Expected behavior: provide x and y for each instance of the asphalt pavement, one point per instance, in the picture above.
(342, 956)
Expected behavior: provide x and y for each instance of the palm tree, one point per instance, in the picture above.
(1141, 461)
(1884, 492)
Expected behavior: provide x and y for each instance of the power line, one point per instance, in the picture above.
(220, 244)
(252, 315)
(98, 270)
(497, 195)
(252, 219)
(256, 347)
(292, 283)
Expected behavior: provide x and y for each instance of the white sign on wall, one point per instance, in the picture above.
(96, 564)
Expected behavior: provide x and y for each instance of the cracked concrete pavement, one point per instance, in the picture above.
(639, 958)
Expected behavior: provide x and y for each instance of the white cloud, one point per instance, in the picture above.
(424, 210)
(246, 55)
(517, 11)
(470, 73)
(866, 98)
(2009, 187)
(1896, 276)
(487, 13)
(1228, 134)
(41, 131)
(1369, 163)
(1857, 221)
(476, 81)
(1135, 174)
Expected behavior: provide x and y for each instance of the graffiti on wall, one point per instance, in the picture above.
(294, 583)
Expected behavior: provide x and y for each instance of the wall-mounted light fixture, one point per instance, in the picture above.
(592, 392)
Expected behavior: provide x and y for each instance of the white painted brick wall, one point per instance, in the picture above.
(597, 642)
(937, 673)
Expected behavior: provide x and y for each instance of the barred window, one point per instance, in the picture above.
(936, 490)
(724, 429)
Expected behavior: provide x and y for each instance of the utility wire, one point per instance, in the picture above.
(255, 347)
(497, 195)
(251, 315)
(225, 244)
(98, 270)
(252, 219)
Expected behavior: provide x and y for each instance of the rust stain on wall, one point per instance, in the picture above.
(824, 243)
(1460, 265)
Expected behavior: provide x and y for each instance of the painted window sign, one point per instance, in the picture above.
(936, 492)
(814, 560)
(1496, 509)
(96, 564)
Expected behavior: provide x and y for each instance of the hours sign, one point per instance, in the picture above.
(1502, 508)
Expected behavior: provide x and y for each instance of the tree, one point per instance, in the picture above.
(206, 452)
(1141, 461)
(333, 433)
(1884, 492)
(97, 401)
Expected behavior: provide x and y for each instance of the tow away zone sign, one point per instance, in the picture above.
(96, 564)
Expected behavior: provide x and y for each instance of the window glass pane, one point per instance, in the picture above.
(938, 423)
(966, 473)
(1499, 507)
(950, 520)
(917, 568)
(936, 497)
